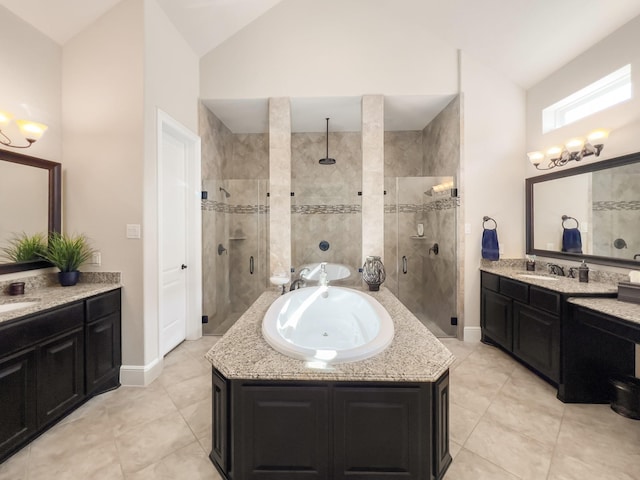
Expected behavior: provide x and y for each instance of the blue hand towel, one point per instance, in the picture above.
(490, 247)
(571, 240)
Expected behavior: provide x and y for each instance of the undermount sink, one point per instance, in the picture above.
(537, 277)
(8, 307)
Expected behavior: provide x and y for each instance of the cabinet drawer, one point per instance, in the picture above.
(103, 305)
(490, 281)
(30, 330)
(544, 300)
(513, 289)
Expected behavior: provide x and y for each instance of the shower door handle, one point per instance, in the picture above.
(404, 264)
(251, 264)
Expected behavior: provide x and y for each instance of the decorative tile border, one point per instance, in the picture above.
(610, 205)
(444, 204)
(326, 209)
(218, 207)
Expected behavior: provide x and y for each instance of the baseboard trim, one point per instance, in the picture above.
(472, 334)
(141, 375)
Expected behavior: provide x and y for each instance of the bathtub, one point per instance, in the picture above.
(327, 325)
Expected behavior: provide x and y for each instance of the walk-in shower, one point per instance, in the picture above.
(420, 248)
(234, 254)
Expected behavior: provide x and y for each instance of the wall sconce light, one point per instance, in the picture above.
(575, 149)
(31, 131)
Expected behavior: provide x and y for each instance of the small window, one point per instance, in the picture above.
(608, 91)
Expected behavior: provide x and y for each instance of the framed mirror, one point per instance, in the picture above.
(30, 202)
(590, 212)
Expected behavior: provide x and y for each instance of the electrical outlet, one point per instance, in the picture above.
(96, 259)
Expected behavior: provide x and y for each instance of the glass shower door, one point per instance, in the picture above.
(422, 275)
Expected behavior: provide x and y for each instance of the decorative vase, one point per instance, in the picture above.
(68, 279)
(373, 273)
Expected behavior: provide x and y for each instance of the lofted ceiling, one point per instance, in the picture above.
(525, 40)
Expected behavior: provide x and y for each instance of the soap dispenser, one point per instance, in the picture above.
(583, 273)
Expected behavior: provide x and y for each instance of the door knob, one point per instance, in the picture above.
(183, 267)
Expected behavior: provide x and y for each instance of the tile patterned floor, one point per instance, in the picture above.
(505, 424)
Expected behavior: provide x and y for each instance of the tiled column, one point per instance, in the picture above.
(372, 176)
(279, 185)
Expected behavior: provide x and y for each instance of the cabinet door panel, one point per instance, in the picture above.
(496, 318)
(536, 340)
(103, 354)
(285, 433)
(17, 399)
(219, 421)
(377, 433)
(60, 375)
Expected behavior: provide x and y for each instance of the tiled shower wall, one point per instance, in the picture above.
(616, 211)
(423, 158)
(326, 205)
(239, 164)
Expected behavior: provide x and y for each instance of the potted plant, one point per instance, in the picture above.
(25, 248)
(68, 253)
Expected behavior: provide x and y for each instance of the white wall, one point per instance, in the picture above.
(493, 172)
(117, 73)
(307, 48)
(615, 51)
(103, 119)
(171, 85)
(31, 83)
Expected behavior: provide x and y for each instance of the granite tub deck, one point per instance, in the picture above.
(46, 293)
(279, 417)
(415, 354)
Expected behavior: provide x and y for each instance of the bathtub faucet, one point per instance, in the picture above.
(300, 282)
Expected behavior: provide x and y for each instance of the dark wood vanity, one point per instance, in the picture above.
(560, 335)
(330, 430)
(53, 361)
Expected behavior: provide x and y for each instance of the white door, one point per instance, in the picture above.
(173, 243)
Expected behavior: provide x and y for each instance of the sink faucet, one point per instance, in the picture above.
(300, 282)
(636, 256)
(323, 281)
(556, 270)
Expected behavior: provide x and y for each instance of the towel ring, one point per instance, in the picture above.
(486, 219)
(567, 217)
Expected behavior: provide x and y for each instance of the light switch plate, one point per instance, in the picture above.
(133, 230)
(96, 258)
(467, 228)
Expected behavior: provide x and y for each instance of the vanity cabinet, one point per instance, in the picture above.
(600, 347)
(330, 430)
(43, 363)
(102, 340)
(524, 320)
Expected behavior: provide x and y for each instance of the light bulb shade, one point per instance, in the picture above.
(32, 131)
(574, 145)
(554, 152)
(535, 157)
(5, 119)
(598, 137)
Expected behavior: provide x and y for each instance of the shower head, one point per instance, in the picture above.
(326, 160)
(226, 194)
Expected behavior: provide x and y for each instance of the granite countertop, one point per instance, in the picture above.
(624, 310)
(415, 354)
(564, 285)
(50, 295)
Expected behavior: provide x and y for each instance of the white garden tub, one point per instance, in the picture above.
(327, 324)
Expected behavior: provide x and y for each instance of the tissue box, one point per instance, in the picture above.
(629, 292)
